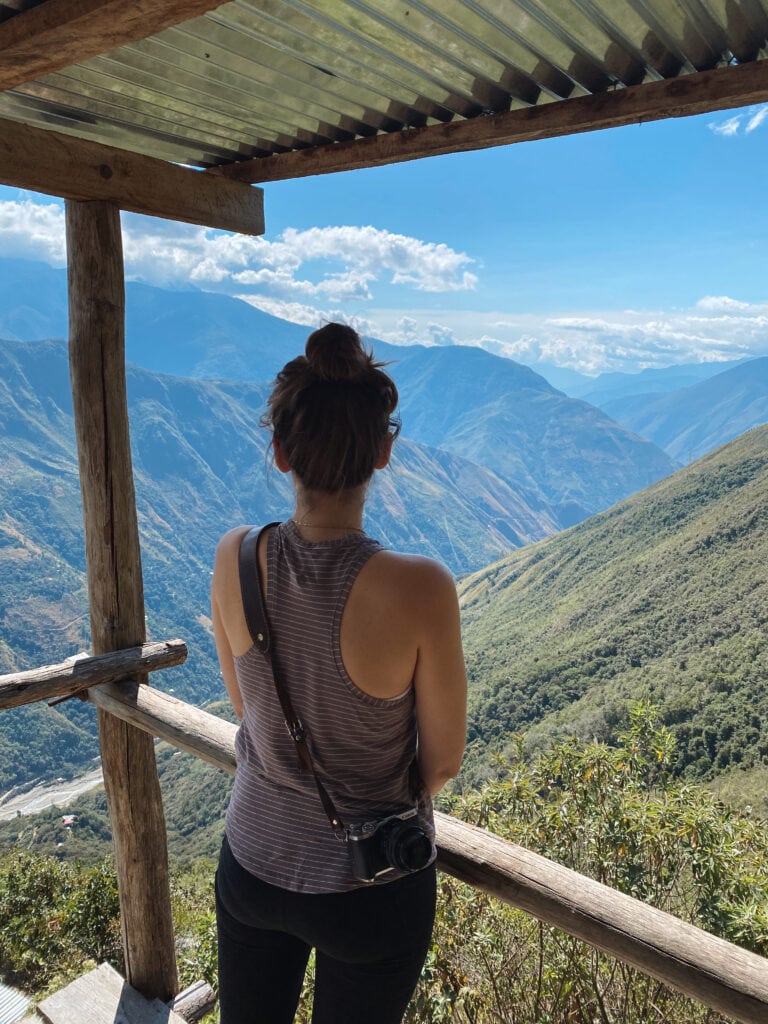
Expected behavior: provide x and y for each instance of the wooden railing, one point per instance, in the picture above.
(717, 973)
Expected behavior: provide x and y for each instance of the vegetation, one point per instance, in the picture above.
(195, 797)
(614, 813)
(663, 597)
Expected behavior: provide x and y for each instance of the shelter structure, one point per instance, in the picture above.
(178, 109)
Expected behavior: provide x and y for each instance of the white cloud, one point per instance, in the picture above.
(742, 123)
(727, 128)
(717, 328)
(33, 231)
(757, 118)
(338, 263)
(439, 334)
(720, 303)
(341, 263)
(335, 273)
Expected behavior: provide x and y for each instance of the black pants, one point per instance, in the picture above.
(370, 945)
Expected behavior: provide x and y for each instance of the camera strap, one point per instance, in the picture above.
(258, 626)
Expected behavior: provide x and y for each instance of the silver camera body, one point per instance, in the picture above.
(395, 843)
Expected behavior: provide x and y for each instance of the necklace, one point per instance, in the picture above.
(319, 526)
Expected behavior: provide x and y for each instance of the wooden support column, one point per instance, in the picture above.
(115, 586)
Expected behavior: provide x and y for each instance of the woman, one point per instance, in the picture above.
(368, 647)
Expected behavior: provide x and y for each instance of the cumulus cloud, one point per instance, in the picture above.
(340, 263)
(33, 231)
(332, 264)
(721, 303)
(335, 273)
(716, 328)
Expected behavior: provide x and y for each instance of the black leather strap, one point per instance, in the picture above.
(258, 626)
(250, 588)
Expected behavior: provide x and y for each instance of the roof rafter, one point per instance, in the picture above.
(58, 33)
(62, 165)
(698, 93)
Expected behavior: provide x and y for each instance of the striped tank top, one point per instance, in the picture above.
(362, 747)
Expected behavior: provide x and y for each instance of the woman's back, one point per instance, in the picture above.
(362, 746)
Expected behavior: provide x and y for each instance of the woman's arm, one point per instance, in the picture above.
(221, 598)
(440, 679)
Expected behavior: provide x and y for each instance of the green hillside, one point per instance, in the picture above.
(663, 597)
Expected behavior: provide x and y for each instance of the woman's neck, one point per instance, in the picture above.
(328, 516)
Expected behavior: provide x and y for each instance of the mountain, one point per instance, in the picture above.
(693, 420)
(613, 387)
(200, 468)
(185, 333)
(664, 597)
(557, 452)
(563, 459)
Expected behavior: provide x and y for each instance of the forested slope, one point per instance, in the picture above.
(663, 596)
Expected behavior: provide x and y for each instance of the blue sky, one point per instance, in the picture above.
(634, 247)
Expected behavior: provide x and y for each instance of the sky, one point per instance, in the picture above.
(636, 247)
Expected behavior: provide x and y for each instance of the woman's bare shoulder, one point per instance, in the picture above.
(412, 575)
(227, 552)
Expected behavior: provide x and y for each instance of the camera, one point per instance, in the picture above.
(394, 843)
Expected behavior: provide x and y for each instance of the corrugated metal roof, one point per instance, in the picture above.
(13, 1004)
(256, 78)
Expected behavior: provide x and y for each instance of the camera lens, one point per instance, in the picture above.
(407, 846)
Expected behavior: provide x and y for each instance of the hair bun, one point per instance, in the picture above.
(335, 352)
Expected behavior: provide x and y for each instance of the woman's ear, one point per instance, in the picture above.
(385, 454)
(280, 460)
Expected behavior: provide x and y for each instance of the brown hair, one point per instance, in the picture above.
(331, 410)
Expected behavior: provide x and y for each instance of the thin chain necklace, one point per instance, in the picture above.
(319, 526)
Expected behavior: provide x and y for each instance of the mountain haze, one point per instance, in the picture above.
(613, 386)
(563, 459)
(688, 422)
(200, 468)
(663, 597)
(556, 451)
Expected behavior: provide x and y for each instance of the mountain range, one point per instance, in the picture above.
(493, 457)
(688, 409)
(200, 468)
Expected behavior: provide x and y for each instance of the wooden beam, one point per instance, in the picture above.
(714, 972)
(61, 165)
(187, 727)
(698, 93)
(78, 674)
(115, 586)
(58, 33)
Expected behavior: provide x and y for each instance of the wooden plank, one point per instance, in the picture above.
(194, 1002)
(698, 93)
(59, 33)
(78, 673)
(714, 972)
(102, 997)
(61, 165)
(725, 977)
(187, 727)
(115, 586)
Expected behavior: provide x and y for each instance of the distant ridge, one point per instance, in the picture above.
(693, 420)
(662, 597)
(200, 468)
(563, 458)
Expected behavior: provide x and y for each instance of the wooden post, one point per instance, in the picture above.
(115, 586)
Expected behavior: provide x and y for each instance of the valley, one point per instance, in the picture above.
(602, 593)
